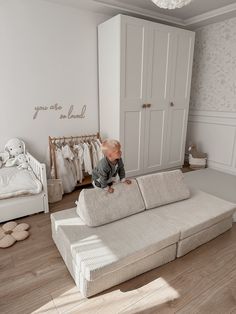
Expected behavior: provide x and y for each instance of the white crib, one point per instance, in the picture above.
(21, 206)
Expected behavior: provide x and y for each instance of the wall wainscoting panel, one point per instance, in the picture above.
(214, 132)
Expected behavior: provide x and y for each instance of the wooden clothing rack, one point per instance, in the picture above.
(52, 150)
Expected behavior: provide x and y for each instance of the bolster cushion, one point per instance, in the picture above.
(97, 207)
(163, 188)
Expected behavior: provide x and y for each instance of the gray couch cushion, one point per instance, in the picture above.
(195, 214)
(163, 188)
(98, 251)
(98, 207)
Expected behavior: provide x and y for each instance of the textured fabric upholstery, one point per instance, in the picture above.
(190, 243)
(199, 212)
(132, 270)
(98, 207)
(97, 251)
(101, 257)
(163, 188)
(91, 287)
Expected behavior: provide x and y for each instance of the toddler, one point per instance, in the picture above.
(109, 166)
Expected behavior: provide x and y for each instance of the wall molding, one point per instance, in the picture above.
(213, 117)
(216, 131)
(212, 113)
(114, 7)
(222, 168)
(226, 12)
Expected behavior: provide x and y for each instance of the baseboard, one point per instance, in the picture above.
(220, 167)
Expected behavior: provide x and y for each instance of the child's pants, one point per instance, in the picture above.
(97, 184)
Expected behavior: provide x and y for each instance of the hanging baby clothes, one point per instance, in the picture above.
(94, 155)
(76, 163)
(98, 148)
(79, 156)
(69, 156)
(87, 159)
(66, 152)
(52, 171)
(64, 172)
(71, 161)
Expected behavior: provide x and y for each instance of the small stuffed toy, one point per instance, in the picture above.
(16, 150)
(15, 147)
(3, 158)
(22, 162)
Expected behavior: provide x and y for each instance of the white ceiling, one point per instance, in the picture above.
(195, 14)
(196, 7)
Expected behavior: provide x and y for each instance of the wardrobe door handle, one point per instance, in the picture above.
(144, 106)
(172, 104)
(148, 105)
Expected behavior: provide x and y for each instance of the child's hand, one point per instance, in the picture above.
(110, 189)
(127, 181)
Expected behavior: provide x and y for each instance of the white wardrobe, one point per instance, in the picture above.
(144, 87)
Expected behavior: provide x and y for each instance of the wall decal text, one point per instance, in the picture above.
(68, 113)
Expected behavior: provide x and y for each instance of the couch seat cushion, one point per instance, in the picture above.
(163, 188)
(98, 207)
(98, 251)
(199, 212)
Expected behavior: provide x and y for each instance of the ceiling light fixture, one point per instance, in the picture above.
(171, 4)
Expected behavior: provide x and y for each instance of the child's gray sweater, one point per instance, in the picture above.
(105, 171)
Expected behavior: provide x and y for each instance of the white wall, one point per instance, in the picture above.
(212, 117)
(48, 55)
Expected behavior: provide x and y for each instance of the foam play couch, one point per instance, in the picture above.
(110, 238)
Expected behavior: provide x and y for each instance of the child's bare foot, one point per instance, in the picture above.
(110, 189)
(127, 181)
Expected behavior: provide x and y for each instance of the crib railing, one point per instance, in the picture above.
(39, 170)
(36, 166)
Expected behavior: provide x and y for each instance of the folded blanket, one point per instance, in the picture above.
(15, 182)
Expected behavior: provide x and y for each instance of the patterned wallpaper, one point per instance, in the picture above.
(214, 68)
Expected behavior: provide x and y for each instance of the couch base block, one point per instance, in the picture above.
(89, 288)
(188, 244)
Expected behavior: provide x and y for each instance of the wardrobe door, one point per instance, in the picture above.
(158, 93)
(179, 96)
(133, 92)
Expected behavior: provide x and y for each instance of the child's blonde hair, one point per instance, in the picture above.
(109, 145)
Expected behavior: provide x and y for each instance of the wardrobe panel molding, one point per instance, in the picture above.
(145, 73)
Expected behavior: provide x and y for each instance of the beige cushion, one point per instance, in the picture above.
(98, 207)
(163, 188)
(195, 214)
(190, 243)
(96, 257)
(10, 232)
(91, 287)
(98, 251)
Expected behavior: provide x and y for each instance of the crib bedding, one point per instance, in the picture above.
(16, 182)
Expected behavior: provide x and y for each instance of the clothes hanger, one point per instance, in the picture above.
(71, 142)
(64, 141)
(58, 143)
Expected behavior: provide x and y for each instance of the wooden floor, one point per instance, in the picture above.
(34, 279)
